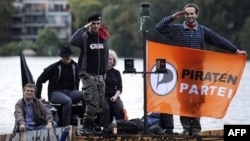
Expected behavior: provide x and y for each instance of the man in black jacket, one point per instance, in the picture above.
(63, 84)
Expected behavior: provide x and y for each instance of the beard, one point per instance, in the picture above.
(190, 21)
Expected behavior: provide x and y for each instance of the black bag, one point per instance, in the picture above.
(132, 126)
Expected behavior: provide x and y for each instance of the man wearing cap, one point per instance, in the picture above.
(91, 39)
(63, 86)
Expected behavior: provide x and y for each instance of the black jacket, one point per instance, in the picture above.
(113, 82)
(52, 73)
(80, 39)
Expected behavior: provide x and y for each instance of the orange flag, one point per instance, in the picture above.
(197, 82)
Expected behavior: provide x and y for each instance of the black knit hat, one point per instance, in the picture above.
(94, 17)
(65, 51)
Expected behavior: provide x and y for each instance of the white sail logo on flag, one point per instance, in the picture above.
(163, 83)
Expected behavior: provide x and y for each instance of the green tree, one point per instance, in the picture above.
(121, 23)
(6, 9)
(82, 8)
(224, 17)
(123, 20)
(47, 42)
(11, 49)
(245, 34)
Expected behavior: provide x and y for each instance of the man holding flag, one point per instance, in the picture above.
(192, 35)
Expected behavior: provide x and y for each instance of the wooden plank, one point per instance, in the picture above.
(147, 138)
(56, 133)
(212, 135)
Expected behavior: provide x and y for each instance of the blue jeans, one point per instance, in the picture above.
(66, 98)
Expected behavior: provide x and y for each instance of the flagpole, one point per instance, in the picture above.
(144, 16)
(129, 63)
(145, 80)
(160, 62)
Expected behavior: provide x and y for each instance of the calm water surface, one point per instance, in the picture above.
(10, 88)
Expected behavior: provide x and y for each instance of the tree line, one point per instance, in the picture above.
(229, 18)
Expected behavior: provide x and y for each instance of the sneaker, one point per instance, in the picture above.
(86, 130)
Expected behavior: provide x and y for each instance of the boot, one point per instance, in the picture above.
(158, 131)
(87, 128)
(169, 132)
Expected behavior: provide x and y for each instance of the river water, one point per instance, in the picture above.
(11, 90)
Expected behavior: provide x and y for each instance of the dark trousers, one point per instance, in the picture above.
(167, 121)
(116, 109)
(191, 125)
(104, 117)
(109, 110)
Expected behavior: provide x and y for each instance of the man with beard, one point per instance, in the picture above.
(192, 35)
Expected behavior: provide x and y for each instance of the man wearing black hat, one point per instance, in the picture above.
(92, 64)
(63, 86)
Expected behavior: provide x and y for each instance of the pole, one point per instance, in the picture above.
(144, 16)
(145, 80)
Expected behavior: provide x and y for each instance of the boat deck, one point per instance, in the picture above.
(59, 134)
(213, 135)
(147, 138)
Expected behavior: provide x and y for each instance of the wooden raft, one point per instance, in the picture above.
(212, 135)
(56, 134)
